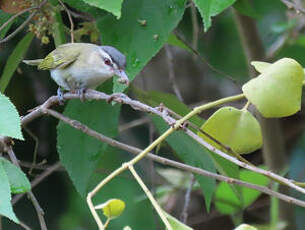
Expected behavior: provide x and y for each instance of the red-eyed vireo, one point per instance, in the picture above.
(79, 66)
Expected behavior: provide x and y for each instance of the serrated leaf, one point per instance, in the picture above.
(14, 59)
(210, 8)
(235, 128)
(79, 152)
(140, 42)
(277, 91)
(19, 183)
(226, 202)
(10, 124)
(112, 208)
(113, 6)
(6, 208)
(176, 224)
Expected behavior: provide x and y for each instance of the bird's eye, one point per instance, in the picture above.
(107, 62)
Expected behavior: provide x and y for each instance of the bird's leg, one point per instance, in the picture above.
(115, 96)
(60, 94)
(81, 93)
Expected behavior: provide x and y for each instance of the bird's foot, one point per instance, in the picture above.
(60, 94)
(116, 97)
(81, 92)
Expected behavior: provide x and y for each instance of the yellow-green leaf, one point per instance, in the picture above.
(112, 208)
(277, 91)
(176, 224)
(245, 227)
(260, 66)
(237, 129)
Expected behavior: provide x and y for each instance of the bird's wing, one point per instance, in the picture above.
(60, 58)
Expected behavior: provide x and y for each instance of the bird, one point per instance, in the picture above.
(76, 67)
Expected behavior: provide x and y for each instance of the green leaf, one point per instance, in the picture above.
(176, 224)
(245, 7)
(277, 91)
(245, 227)
(19, 183)
(226, 201)
(113, 6)
(210, 8)
(6, 208)
(14, 59)
(113, 208)
(174, 41)
(3, 18)
(84, 7)
(58, 29)
(237, 129)
(79, 152)
(261, 66)
(137, 41)
(10, 124)
(223, 166)
(193, 154)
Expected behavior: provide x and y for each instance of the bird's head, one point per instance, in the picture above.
(115, 62)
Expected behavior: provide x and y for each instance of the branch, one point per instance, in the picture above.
(70, 19)
(291, 5)
(7, 38)
(165, 161)
(36, 205)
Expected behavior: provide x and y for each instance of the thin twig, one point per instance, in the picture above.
(165, 161)
(290, 5)
(10, 36)
(187, 199)
(205, 61)
(38, 179)
(151, 198)
(123, 99)
(16, 16)
(195, 26)
(70, 19)
(132, 124)
(36, 140)
(171, 72)
(39, 210)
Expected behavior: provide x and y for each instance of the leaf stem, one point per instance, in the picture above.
(150, 197)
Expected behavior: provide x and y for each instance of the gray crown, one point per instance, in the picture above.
(116, 56)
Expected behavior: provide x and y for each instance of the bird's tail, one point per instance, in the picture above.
(35, 62)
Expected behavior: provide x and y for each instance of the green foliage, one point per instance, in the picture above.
(10, 124)
(59, 30)
(113, 6)
(137, 41)
(78, 152)
(277, 91)
(210, 8)
(176, 224)
(5, 195)
(226, 200)
(19, 183)
(245, 227)
(237, 129)
(245, 7)
(3, 18)
(14, 60)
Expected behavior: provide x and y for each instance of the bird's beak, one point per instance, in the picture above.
(123, 76)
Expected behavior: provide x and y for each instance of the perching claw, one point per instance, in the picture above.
(60, 95)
